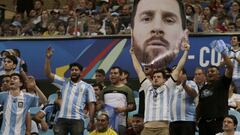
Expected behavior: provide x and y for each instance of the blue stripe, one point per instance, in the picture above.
(161, 103)
(13, 117)
(179, 105)
(75, 98)
(147, 105)
(28, 100)
(66, 100)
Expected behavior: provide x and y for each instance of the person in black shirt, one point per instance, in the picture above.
(213, 99)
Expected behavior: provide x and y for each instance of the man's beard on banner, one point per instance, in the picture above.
(156, 60)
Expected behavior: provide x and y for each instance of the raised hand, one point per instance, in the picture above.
(49, 52)
(185, 44)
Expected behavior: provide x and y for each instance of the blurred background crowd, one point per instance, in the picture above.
(104, 17)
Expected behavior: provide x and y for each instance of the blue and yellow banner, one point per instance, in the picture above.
(102, 53)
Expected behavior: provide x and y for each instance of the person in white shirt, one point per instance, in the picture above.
(229, 126)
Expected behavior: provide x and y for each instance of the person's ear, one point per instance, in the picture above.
(14, 66)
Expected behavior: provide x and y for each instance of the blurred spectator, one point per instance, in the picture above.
(102, 126)
(38, 6)
(71, 28)
(22, 102)
(55, 14)
(214, 5)
(231, 27)
(234, 11)
(229, 126)
(100, 76)
(233, 97)
(205, 26)
(237, 23)
(64, 15)
(115, 23)
(5, 82)
(207, 14)
(42, 24)
(23, 6)
(137, 125)
(21, 63)
(81, 4)
(50, 112)
(61, 28)
(14, 29)
(51, 30)
(98, 89)
(197, 16)
(199, 77)
(122, 103)
(125, 16)
(10, 63)
(189, 12)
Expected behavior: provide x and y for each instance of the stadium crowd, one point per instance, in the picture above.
(174, 102)
(110, 115)
(110, 17)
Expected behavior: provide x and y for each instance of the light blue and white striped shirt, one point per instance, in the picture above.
(183, 106)
(74, 97)
(15, 111)
(157, 101)
(236, 65)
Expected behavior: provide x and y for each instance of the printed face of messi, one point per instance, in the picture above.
(157, 31)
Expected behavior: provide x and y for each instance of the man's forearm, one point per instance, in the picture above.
(91, 106)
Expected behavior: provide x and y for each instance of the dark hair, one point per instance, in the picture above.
(234, 87)
(104, 114)
(181, 8)
(138, 115)
(160, 71)
(101, 71)
(98, 85)
(238, 37)
(12, 58)
(17, 52)
(199, 68)
(20, 77)
(235, 121)
(117, 67)
(213, 66)
(2, 77)
(126, 72)
(76, 65)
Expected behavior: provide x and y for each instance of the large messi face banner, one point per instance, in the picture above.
(158, 28)
(102, 53)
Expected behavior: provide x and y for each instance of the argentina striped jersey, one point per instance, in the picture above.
(15, 111)
(183, 106)
(157, 101)
(74, 97)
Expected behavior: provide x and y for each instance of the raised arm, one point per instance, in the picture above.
(47, 66)
(31, 84)
(229, 66)
(182, 61)
(137, 66)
